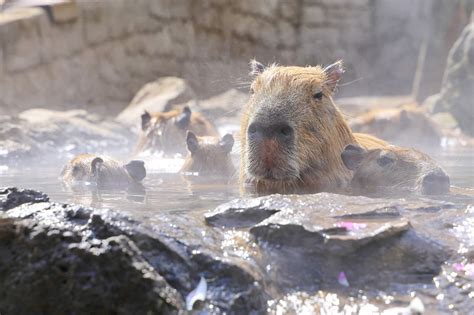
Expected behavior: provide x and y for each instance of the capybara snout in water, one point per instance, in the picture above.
(103, 171)
(394, 170)
(209, 156)
(166, 131)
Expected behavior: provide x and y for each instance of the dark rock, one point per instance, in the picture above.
(457, 93)
(14, 197)
(64, 259)
(306, 241)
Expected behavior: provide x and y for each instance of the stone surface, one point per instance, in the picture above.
(60, 258)
(100, 58)
(308, 240)
(42, 135)
(156, 96)
(457, 93)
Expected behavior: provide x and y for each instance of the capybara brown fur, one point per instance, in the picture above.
(103, 171)
(166, 131)
(292, 133)
(408, 126)
(209, 156)
(393, 170)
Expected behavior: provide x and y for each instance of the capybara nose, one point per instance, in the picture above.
(435, 182)
(279, 131)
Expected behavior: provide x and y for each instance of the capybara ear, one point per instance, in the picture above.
(192, 141)
(183, 120)
(95, 165)
(136, 169)
(227, 142)
(352, 156)
(256, 68)
(146, 118)
(333, 74)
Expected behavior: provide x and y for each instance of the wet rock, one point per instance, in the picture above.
(14, 197)
(156, 96)
(457, 93)
(41, 132)
(225, 107)
(306, 241)
(63, 259)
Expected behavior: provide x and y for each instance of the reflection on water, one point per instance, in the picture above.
(162, 192)
(165, 190)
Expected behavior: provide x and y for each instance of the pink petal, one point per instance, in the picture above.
(342, 279)
(469, 270)
(351, 226)
(458, 267)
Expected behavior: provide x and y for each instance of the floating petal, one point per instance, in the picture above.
(198, 294)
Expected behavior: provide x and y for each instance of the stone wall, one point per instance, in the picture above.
(97, 54)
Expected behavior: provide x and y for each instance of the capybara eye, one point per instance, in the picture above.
(286, 131)
(252, 129)
(318, 96)
(384, 160)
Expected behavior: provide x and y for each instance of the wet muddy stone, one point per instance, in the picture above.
(457, 94)
(64, 259)
(41, 135)
(306, 241)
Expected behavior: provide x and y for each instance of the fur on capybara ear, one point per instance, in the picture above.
(192, 142)
(352, 155)
(227, 142)
(334, 74)
(136, 169)
(256, 68)
(95, 166)
(183, 120)
(146, 118)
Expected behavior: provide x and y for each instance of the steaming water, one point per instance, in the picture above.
(170, 192)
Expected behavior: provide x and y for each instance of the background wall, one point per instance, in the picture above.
(97, 54)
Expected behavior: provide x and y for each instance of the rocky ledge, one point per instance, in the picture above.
(255, 255)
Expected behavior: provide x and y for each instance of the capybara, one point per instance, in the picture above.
(393, 170)
(103, 171)
(166, 131)
(292, 133)
(209, 156)
(407, 126)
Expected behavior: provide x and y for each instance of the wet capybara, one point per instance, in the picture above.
(394, 170)
(103, 171)
(166, 131)
(292, 133)
(407, 125)
(209, 156)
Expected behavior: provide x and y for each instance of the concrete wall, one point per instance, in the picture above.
(97, 54)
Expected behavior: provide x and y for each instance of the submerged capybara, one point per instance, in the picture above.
(393, 169)
(209, 156)
(166, 131)
(103, 171)
(292, 133)
(407, 126)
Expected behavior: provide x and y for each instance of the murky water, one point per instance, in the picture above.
(171, 192)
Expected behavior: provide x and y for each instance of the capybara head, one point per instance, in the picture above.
(394, 170)
(404, 126)
(166, 131)
(209, 155)
(103, 170)
(292, 134)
